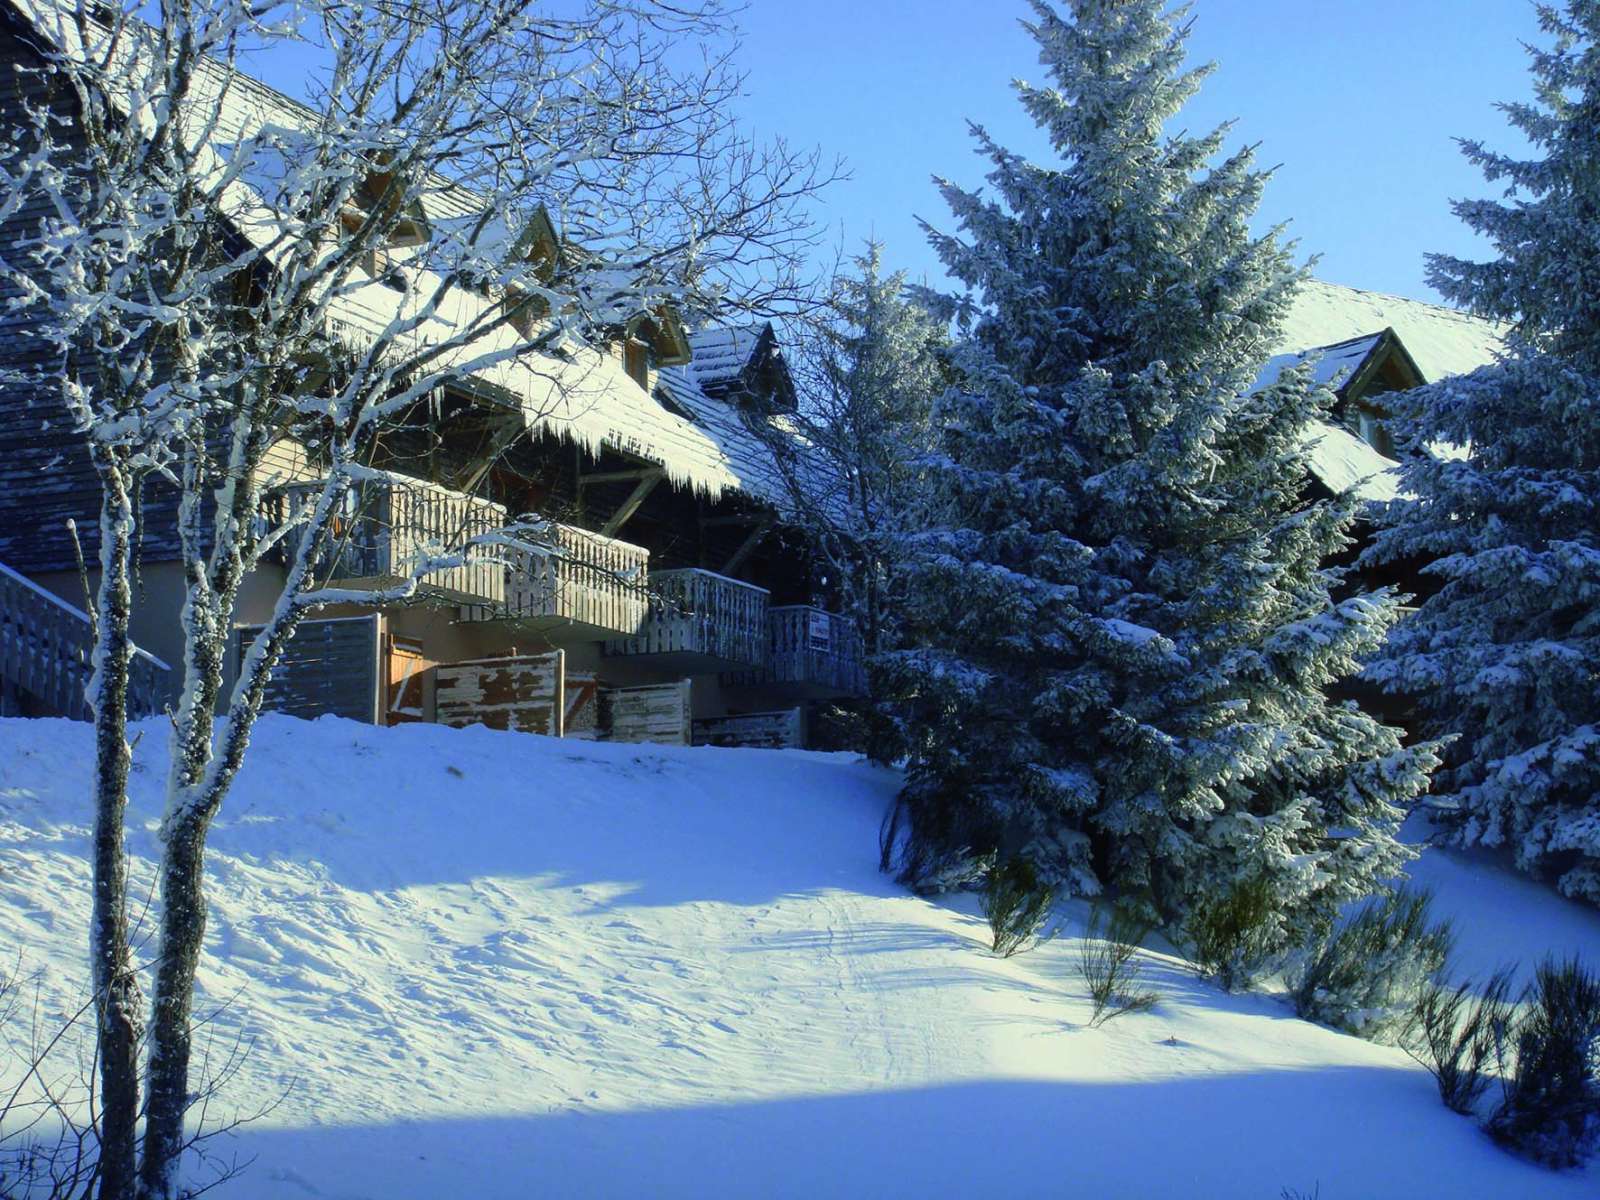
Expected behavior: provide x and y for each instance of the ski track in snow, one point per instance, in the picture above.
(500, 965)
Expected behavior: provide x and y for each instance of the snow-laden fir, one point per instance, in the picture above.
(1130, 638)
(1503, 654)
(498, 965)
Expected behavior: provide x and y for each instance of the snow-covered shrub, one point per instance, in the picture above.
(1233, 937)
(1016, 905)
(1367, 975)
(1550, 1109)
(1107, 963)
(1460, 1034)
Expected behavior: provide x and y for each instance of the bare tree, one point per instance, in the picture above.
(215, 268)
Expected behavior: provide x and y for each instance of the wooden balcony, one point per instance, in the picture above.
(700, 621)
(387, 528)
(814, 654)
(585, 585)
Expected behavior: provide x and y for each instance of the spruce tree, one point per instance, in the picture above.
(870, 369)
(1127, 630)
(1505, 652)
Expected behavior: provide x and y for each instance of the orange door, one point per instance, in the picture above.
(405, 667)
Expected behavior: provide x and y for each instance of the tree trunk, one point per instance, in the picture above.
(183, 926)
(116, 988)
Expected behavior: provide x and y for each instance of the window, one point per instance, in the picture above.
(1375, 433)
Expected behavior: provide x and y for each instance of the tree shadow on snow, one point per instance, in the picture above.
(1351, 1131)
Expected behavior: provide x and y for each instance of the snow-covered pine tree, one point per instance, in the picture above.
(1505, 653)
(1128, 631)
(869, 369)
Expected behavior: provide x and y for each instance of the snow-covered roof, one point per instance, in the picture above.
(1331, 366)
(582, 394)
(723, 352)
(744, 453)
(1442, 341)
(1337, 329)
(1343, 461)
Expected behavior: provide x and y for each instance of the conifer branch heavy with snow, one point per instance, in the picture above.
(207, 277)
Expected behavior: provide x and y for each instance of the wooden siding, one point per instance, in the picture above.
(524, 693)
(329, 667)
(703, 613)
(389, 529)
(659, 713)
(586, 579)
(782, 730)
(46, 652)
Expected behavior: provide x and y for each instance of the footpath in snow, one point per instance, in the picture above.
(497, 965)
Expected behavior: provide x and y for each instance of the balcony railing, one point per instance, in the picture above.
(387, 528)
(582, 579)
(701, 613)
(812, 651)
(810, 645)
(47, 650)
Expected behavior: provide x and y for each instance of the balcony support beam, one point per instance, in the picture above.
(747, 547)
(647, 484)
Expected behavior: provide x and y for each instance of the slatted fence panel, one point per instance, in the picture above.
(658, 713)
(782, 730)
(328, 667)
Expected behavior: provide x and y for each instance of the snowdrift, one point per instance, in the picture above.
(497, 965)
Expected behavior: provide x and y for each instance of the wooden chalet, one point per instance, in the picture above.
(677, 603)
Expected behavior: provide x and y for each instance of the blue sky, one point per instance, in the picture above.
(1358, 100)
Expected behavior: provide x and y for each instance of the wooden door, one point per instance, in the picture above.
(404, 669)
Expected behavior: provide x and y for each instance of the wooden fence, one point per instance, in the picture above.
(46, 651)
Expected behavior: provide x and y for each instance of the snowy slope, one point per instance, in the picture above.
(498, 965)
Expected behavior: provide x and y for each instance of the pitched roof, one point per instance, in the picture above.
(1339, 330)
(723, 352)
(1442, 341)
(581, 394)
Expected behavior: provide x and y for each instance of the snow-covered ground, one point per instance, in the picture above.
(498, 965)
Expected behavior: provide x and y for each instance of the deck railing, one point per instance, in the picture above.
(582, 578)
(46, 650)
(811, 645)
(387, 528)
(700, 612)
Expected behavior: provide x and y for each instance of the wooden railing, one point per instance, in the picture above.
(811, 645)
(700, 612)
(582, 577)
(46, 650)
(386, 529)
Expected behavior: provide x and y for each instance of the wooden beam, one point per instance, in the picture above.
(631, 505)
(639, 473)
(746, 519)
(748, 545)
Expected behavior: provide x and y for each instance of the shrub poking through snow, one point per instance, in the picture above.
(1367, 974)
(1550, 1110)
(1016, 906)
(1460, 1036)
(1232, 937)
(1109, 966)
